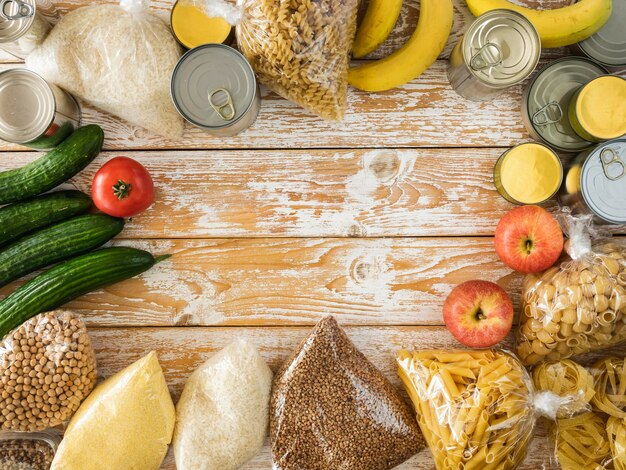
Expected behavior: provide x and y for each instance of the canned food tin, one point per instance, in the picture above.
(34, 112)
(213, 87)
(192, 27)
(597, 111)
(608, 46)
(546, 99)
(22, 27)
(528, 173)
(500, 49)
(595, 182)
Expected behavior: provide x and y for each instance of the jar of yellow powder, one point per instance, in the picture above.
(528, 173)
(597, 111)
(192, 27)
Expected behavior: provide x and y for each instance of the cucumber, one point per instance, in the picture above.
(66, 281)
(55, 243)
(58, 165)
(24, 217)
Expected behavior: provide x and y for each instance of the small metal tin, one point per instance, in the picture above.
(608, 46)
(188, 42)
(213, 87)
(22, 27)
(500, 49)
(613, 107)
(522, 167)
(34, 112)
(31, 450)
(595, 182)
(546, 99)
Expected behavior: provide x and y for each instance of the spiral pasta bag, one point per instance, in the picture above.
(300, 49)
(475, 408)
(574, 308)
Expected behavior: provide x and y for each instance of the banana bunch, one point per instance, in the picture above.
(557, 27)
(405, 64)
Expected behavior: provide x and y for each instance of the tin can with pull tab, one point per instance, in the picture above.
(546, 100)
(22, 26)
(500, 49)
(213, 87)
(595, 182)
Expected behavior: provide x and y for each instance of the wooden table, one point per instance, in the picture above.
(373, 220)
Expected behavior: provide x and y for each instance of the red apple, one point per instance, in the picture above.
(529, 239)
(479, 314)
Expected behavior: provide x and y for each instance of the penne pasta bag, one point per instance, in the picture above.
(477, 409)
(579, 305)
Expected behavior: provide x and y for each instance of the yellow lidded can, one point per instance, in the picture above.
(529, 173)
(597, 111)
(192, 27)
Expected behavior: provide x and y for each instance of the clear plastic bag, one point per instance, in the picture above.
(126, 423)
(47, 368)
(118, 58)
(592, 434)
(331, 408)
(476, 408)
(578, 306)
(301, 49)
(223, 413)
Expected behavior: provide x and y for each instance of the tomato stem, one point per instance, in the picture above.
(122, 189)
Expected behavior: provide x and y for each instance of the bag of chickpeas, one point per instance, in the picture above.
(577, 306)
(47, 368)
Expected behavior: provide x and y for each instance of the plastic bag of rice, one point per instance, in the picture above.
(118, 58)
(222, 415)
(126, 423)
(331, 408)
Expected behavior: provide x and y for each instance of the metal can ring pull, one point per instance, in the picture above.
(543, 115)
(225, 110)
(609, 157)
(487, 56)
(24, 10)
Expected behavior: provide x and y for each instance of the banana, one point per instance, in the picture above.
(419, 52)
(379, 20)
(557, 27)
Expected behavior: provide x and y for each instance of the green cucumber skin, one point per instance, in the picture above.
(56, 243)
(66, 281)
(21, 218)
(57, 166)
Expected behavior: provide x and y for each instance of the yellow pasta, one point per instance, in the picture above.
(568, 380)
(581, 442)
(616, 430)
(474, 407)
(610, 386)
(300, 49)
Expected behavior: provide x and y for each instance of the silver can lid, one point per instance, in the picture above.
(603, 181)
(608, 45)
(213, 86)
(547, 98)
(27, 106)
(501, 48)
(16, 17)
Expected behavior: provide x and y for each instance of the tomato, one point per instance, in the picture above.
(122, 187)
(51, 130)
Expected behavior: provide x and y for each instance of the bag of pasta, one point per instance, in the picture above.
(593, 434)
(477, 409)
(301, 49)
(578, 306)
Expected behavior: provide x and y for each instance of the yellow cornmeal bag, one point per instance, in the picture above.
(125, 424)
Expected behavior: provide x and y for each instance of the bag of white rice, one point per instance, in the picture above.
(118, 58)
(222, 416)
(126, 423)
